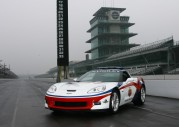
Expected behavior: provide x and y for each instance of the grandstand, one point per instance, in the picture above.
(153, 58)
(160, 57)
(146, 47)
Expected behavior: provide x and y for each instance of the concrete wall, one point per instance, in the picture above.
(162, 85)
(163, 88)
(160, 77)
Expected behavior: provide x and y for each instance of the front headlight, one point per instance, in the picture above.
(52, 89)
(97, 89)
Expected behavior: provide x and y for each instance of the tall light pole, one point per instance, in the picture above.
(62, 38)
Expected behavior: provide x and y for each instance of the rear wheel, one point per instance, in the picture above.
(140, 97)
(114, 102)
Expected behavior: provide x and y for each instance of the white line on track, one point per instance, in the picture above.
(15, 113)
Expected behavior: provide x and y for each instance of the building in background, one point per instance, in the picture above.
(110, 47)
(109, 33)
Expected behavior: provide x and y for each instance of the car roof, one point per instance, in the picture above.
(111, 68)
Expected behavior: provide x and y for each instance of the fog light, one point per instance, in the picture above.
(105, 101)
(97, 103)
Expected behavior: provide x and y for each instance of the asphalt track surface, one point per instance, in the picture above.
(22, 105)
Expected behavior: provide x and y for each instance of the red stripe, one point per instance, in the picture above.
(138, 87)
(50, 101)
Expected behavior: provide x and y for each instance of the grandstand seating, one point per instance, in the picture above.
(142, 70)
(154, 58)
(174, 71)
(142, 48)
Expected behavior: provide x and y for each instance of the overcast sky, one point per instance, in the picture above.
(28, 28)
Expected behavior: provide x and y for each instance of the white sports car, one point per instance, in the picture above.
(102, 88)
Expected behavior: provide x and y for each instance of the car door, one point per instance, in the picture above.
(126, 89)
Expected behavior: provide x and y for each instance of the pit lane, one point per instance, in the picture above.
(22, 105)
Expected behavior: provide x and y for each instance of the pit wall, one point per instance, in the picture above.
(163, 88)
(160, 77)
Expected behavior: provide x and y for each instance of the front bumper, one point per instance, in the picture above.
(76, 103)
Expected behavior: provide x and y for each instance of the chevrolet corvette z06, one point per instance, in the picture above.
(102, 88)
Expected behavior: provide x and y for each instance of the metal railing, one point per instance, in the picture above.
(142, 48)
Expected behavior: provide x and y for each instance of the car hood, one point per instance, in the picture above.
(81, 89)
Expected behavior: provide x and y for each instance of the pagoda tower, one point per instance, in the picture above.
(109, 33)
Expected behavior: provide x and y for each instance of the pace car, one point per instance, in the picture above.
(102, 88)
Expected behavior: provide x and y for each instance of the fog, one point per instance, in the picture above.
(28, 28)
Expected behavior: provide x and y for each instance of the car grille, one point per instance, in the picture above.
(70, 104)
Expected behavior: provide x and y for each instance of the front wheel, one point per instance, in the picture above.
(140, 97)
(114, 102)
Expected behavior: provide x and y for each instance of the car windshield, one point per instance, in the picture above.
(101, 76)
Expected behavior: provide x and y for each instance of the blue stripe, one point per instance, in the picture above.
(109, 91)
(119, 84)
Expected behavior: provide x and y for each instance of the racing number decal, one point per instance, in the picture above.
(129, 92)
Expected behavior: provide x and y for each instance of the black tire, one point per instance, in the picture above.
(140, 96)
(114, 102)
